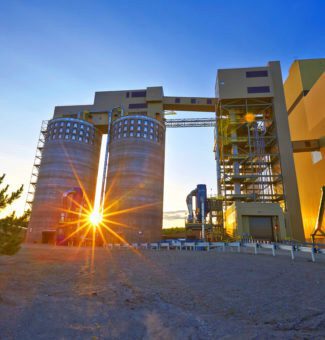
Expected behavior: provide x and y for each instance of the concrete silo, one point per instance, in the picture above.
(135, 179)
(69, 159)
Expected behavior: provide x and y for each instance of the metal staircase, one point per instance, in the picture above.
(36, 166)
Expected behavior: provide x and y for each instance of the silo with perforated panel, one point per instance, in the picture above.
(69, 160)
(135, 179)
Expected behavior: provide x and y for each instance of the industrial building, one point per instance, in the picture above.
(257, 192)
(305, 100)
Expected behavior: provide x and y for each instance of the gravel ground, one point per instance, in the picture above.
(66, 293)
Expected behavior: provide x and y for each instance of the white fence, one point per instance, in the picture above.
(257, 247)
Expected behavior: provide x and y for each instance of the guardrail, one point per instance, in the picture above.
(292, 249)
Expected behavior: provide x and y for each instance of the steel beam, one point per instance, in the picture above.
(190, 122)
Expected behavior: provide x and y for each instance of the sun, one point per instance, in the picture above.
(95, 218)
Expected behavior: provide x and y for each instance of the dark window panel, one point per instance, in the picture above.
(138, 94)
(255, 74)
(258, 89)
(193, 101)
(177, 100)
(138, 106)
(127, 94)
(209, 101)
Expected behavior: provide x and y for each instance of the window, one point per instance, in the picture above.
(125, 122)
(66, 136)
(60, 136)
(68, 124)
(81, 132)
(54, 131)
(120, 123)
(62, 124)
(145, 135)
(137, 94)
(151, 130)
(119, 135)
(125, 128)
(53, 137)
(81, 126)
(88, 128)
(209, 101)
(138, 106)
(139, 121)
(87, 134)
(73, 137)
(145, 122)
(258, 89)
(131, 128)
(139, 128)
(124, 134)
(86, 140)
(56, 124)
(76, 125)
(61, 130)
(138, 134)
(80, 139)
(151, 124)
(67, 130)
(151, 136)
(145, 129)
(256, 74)
(193, 101)
(127, 94)
(177, 100)
(131, 134)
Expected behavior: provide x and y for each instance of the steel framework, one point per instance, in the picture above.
(247, 153)
(36, 166)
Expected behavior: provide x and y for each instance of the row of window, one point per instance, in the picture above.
(137, 121)
(74, 131)
(72, 137)
(138, 135)
(68, 124)
(131, 128)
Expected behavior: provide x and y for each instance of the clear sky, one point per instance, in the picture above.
(60, 52)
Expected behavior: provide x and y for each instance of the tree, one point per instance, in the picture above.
(12, 228)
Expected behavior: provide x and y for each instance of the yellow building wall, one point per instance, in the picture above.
(307, 121)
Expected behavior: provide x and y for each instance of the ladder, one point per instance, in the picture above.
(36, 166)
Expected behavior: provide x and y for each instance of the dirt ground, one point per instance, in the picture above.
(66, 293)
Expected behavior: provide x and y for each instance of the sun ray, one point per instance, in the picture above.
(132, 209)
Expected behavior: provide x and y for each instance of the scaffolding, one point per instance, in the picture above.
(36, 166)
(247, 153)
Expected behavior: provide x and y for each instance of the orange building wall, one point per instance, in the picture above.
(307, 121)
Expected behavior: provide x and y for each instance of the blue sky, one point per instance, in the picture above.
(61, 52)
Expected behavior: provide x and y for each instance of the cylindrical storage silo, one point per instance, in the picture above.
(70, 159)
(135, 179)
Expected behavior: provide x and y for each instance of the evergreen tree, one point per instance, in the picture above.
(12, 228)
